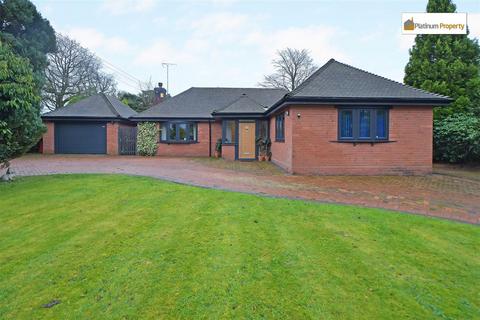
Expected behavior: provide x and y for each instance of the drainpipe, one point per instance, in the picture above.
(209, 139)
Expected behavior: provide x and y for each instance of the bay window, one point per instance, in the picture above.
(178, 132)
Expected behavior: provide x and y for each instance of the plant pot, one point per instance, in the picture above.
(217, 154)
(262, 158)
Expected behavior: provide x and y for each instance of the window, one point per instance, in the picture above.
(262, 129)
(229, 131)
(280, 127)
(363, 124)
(346, 127)
(382, 119)
(364, 132)
(178, 132)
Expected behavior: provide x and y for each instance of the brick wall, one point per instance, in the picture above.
(316, 152)
(49, 138)
(282, 151)
(228, 152)
(112, 138)
(199, 149)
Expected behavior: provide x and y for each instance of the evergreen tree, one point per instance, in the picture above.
(447, 65)
(20, 122)
(28, 34)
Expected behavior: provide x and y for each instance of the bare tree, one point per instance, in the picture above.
(102, 82)
(292, 67)
(73, 71)
(146, 94)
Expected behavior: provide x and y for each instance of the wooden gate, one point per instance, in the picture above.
(127, 140)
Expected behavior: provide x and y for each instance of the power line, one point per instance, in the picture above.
(112, 66)
(122, 77)
(119, 69)
(127, 83)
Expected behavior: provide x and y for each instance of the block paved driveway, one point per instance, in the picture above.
(441, 195)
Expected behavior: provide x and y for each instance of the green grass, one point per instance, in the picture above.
(131, 247)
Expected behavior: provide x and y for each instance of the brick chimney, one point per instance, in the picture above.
(160, 93)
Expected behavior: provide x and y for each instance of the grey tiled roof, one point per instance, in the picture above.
(96, 106)
(202, 102)
(243, 104)
(339, 80)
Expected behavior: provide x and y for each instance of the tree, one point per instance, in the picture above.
(131, 100)
(147, 95)
(28, 34)
(20, 122)
(448, 65)
(143, 100)
(73, 71)
(292, 67)
(102, 82)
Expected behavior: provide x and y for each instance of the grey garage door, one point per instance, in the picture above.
(81, 137)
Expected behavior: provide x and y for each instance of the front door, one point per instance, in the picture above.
(246, 140)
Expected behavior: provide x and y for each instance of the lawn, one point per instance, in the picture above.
(113, 246)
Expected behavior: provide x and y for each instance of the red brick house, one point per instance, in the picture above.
(341, 120)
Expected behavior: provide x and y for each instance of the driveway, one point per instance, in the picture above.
(443, 194)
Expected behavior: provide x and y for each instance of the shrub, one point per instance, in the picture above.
(147, 139)
(218, 146)
(20, 123)
(457, 139)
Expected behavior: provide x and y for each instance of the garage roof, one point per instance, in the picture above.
(100, 106)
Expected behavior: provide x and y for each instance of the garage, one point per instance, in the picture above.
(81, 137)
(94, 125)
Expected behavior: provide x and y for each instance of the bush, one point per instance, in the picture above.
(457, 139)
(20, 123)
(147, 138)
(218, 146)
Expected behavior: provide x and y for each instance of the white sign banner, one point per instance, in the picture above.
(434, 23)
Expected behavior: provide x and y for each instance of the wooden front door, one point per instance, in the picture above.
(246, 140)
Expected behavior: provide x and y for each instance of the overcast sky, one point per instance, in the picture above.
(231, 43)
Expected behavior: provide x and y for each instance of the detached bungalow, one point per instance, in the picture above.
(341, 120)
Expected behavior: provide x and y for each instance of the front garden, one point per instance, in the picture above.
(113, 246)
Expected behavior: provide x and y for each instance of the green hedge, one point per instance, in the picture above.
(147, 139)
(457, 139)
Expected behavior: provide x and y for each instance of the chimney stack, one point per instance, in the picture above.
(160, 93)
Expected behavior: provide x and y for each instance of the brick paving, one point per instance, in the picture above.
(438, 195)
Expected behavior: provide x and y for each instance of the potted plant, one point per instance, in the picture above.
(218, 148)
(264, 149)
(268, 152)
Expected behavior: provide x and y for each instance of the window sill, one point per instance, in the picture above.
(279, 140)
(372, 142)
(177, 142)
